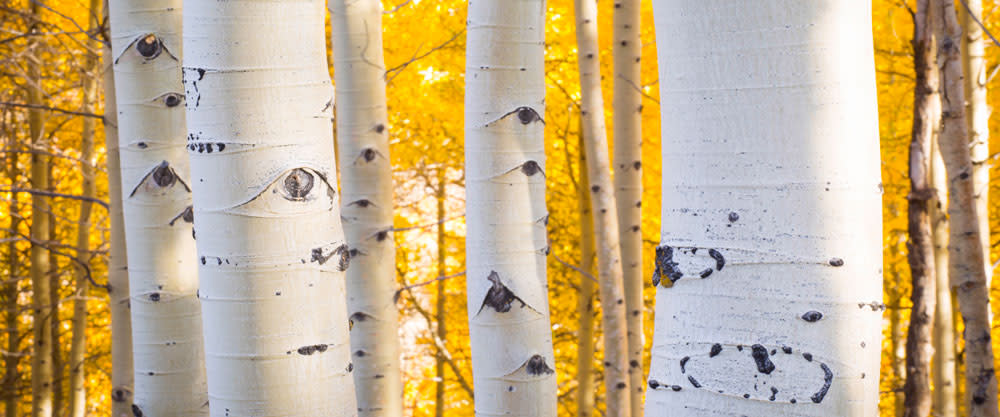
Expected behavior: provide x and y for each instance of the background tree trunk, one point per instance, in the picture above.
(627, 103)
(271, 248)
(366, 178)
(11, 290)
(609, 261)
(769, 269)
(440, 310)
(920, 248)
(166, 314)
(585, 305)
(506, 217)
(943, 362)
(966, 269)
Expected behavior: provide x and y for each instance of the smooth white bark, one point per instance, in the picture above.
(769, 268)
(271, 250)
(506, 245)
(163, 276)
(943, 363)
(366, 179)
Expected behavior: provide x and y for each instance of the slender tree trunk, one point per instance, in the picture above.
(506, 241)
(967, 270)
(78, 345)
(169, 360)
(43, 312)
(585, 303)
(609, 263)
(11, 292)
(920, 253)
(898, 346)
(271, 247)
(769, 268)
(977, 118)
(440, 309)
(55, 282)
(943, 362)
(627, 103)
(118, 291)
(366, 179)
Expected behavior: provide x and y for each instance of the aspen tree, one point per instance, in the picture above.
(627, 103)
(977, 117)
(920, 247)
(602, 200)
(440, 310)
(943, 362)
(366, 185)
(42, 395)
(78, 345)
(506, 217)
(11, 291)
(271, 249)
(768, 273)
(163, 278)
(118, 289)
(585, 304)
(966, 267)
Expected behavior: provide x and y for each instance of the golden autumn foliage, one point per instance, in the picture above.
(424, 55)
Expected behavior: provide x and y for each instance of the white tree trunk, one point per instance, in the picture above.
(366, 185)
(943, 363)
(977, 118)
(769, 269)
(627, 103)
(270, 244)
(118, 290)
(506, 244)
(585, 303)
(602, 199)
(163, 276)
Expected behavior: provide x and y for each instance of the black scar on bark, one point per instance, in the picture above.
(827, 381)
(298, 183)
(716, 349)
(636, 165)
(734, 216)
(149, 46)
(527, 115)
(763, 360)
(379, 128)
(311, 349)
(537, 366)
(812, 316)
(666, 267)
(118, 395)
(684, 361)
(154, 297)
(163, 175)
(360, 316)
(499, 297)
(531, 168)
(187, 216)
(720, 261)
(350, 366)
(368, 154)
(836, 262)
(774, 394)
(694, 382)
(172, 99)
(786, 349)
(363, 203)
(808, 356)
(136, 411)
(654, 384)
(706, 273)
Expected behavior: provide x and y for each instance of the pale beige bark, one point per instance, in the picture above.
(585, 303)
(627, 105)
(603, 203)
(440, 310)
(11, 290)
(943, 364)
(967, 268)
(367, 206)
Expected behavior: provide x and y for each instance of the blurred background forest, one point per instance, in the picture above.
(424, 55)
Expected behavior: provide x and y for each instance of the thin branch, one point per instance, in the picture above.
(968, 11)
(422, 226)
(398, 6)
(639, 89)
(396, 70)
(58, 195)
(574, 267)
(428, 282)
(55, 109)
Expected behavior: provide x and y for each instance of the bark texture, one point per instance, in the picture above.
(943, 362)
(506, 241)
(271, 249)
(627, 103)
(166, 315)
(602, 199)
(769, 270)
(366, 184)
(920, 248)
(966, 267)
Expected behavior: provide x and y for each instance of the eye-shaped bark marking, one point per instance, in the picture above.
(525, 115)
(812, 316)
(537, 366)
(363, 203)
(311, 349)
(369, 154)
(836, 262)
(298, 183)
(499, 297)
(531, 168)
(187, 216)
(163, 176)
(170, 99)
(149, 46)
(361, 316)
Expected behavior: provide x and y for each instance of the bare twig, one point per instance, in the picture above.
(574, 267)
(422, 226)
(58, 195)
(428, 282)
(396, 70)
(55, 109)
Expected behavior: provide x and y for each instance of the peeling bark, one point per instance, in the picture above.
(169, 373)
(271, 249)
(774, 311)
(967, 267)
(506, 241)
(606, 227)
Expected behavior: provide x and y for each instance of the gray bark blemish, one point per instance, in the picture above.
(537, 366)
(298, 183)
(762, 359)
(716, 349)
(827, 381)
(836, 262)
(311, 349)
(720, 261)
(812, 316)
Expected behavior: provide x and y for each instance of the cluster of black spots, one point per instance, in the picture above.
(716, 349)
(827, 381)
(762, 359)
(298, 183)
(136, 411)
(836, 262)
(149, 47)
(499, 297)
(206, 147)
(531, 168)
(311, 349)
(666, 267)
(812, 316)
